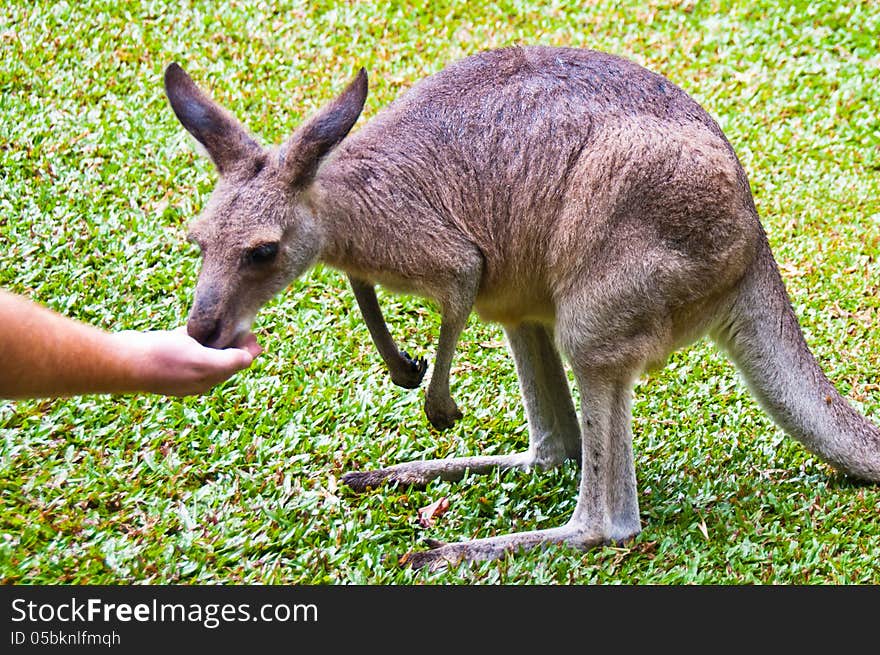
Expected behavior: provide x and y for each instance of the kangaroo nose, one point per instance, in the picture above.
(204, 330)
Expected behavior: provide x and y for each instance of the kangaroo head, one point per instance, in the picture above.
(257, 232)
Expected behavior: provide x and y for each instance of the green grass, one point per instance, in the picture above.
(97, 184)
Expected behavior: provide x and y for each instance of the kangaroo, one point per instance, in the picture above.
(588, 205)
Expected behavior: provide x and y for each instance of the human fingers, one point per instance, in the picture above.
(249, 343)
(227, 360)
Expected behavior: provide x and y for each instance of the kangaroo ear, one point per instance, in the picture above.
(311, 142)
(226, 141)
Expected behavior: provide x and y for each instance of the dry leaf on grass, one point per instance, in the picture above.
(429, 513)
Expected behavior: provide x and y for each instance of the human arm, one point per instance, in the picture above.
(43, 353)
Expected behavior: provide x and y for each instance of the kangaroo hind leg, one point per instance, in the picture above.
(607, 507)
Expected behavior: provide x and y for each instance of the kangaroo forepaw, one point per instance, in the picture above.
(444, 416)
(412, 371)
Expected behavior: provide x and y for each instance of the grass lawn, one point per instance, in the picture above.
(98, 182)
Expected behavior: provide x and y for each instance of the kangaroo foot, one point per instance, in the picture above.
(361, 481)
(410, 372)
(442, 554)
(419, 474)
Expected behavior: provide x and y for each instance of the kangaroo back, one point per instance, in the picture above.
(760, 331)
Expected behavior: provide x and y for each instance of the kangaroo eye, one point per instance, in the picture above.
(262, 254)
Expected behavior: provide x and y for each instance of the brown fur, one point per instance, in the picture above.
(586, 204)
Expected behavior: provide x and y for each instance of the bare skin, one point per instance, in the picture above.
(45, 354)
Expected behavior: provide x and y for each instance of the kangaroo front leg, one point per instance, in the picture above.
(405, 371)
(607, 507)
(440, 408)
(553, 429)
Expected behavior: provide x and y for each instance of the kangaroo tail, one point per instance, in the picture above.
(761, 334)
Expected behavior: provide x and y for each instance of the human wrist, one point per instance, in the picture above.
(130, 361)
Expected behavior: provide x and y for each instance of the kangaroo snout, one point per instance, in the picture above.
(205, 323)
(206, 330)
(215, 323)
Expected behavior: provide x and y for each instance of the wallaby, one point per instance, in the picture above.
(589, 206)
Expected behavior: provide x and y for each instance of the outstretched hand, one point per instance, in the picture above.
(172, 363)
(45, 354)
